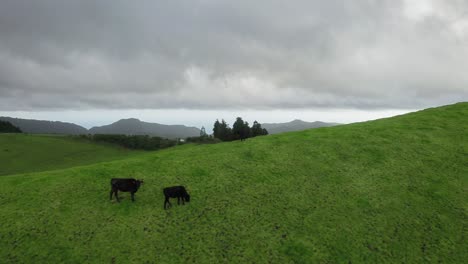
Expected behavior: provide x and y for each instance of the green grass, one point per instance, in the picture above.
(22, 153)
(387, 191)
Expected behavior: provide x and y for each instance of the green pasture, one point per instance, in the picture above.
(387, 191)
(23, 153)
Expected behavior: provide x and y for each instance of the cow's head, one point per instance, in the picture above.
(187, 197)
(138, 183)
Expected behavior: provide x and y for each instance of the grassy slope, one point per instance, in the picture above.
(22, 153)
(392, 190)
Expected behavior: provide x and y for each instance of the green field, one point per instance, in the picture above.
(22, 153)
(387, 191)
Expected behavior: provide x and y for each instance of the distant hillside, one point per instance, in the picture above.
(7, 127)
(45, 127)
(295, 125)
(23, 153)
(133, 126)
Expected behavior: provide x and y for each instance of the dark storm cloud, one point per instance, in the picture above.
(224, 54)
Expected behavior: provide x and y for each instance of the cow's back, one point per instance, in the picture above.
(174, 191)
(123, 184)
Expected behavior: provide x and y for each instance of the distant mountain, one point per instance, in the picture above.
(129, 126)
(295, 125)
(133, 126)
(45, 127)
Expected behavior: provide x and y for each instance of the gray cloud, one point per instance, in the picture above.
(222, 54)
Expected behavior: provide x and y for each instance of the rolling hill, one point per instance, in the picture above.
(133, 126)
(295, 125)
(20, 153)
(45, 127)
(386, 191)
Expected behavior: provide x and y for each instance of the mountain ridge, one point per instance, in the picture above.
(295, 125)
(134, 126)
(127, 126)
(35, 126)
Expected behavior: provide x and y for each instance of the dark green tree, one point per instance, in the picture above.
(246, 132)
(225, 131)
(222, 131)
(256, 129)
(237, 128)
(240, 129)
(217, 129)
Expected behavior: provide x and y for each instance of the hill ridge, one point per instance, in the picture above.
(294, 125)
(134, 126)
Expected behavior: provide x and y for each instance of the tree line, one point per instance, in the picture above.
(144, 142)
(240, 130)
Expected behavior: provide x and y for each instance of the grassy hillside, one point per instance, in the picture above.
(392, 190)
(21, 153)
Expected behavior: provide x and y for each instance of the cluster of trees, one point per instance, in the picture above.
(144, 142)
(240, 130)
(7, 127)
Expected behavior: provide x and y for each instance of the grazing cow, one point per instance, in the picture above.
(178, 192)
(124, 185)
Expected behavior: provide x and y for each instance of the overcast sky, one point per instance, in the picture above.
(94, 61)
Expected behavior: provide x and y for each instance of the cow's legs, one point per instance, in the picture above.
(117, 196)
(133, 196)
(111, 194)
(183, 200)
(166, 201)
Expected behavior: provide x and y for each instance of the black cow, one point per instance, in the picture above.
(124, 185)
(175, 192)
